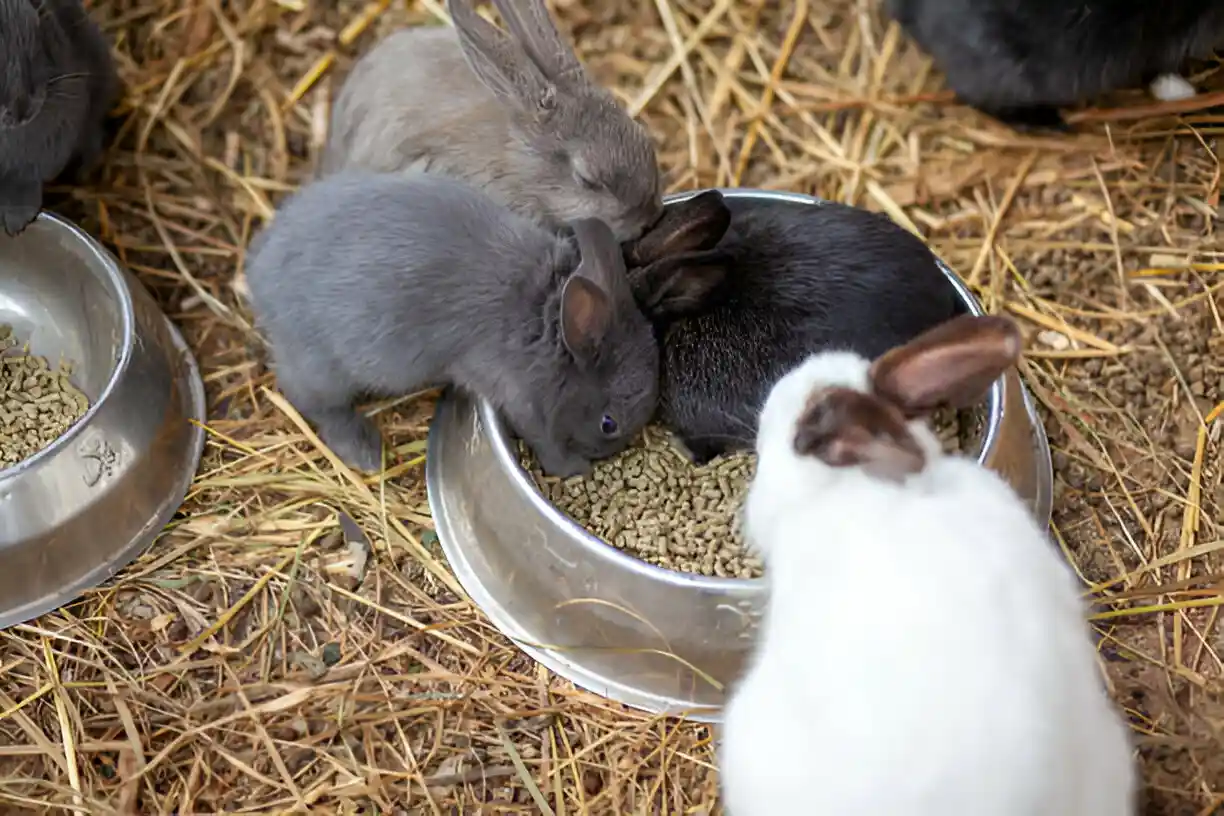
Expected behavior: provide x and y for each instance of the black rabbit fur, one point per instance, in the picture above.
(57, 83)
(1022, 60)
(785, 281)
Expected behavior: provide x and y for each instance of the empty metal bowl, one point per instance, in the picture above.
(88, 504)
(654, 639)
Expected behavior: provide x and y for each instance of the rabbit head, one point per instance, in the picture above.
(611, 390)
(675, 266)
(838, 411)
(25, 64)
(599, 162)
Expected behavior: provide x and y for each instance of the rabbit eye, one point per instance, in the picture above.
(607, 425)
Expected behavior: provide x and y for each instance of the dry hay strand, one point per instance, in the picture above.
(262, 657)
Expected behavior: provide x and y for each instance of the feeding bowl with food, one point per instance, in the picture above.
(96, 457)
(658, 639)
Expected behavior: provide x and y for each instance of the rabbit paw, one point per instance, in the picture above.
(700, 450)
(355, 440)
(561, 464)
(19, 205)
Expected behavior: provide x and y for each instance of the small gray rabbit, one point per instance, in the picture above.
(57, 82)
(384, 284)
(1021, 60)
(514, 114)
(741, 291)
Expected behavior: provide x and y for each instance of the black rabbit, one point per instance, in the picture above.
(734, 312)
(1021, 60)
(57, 82)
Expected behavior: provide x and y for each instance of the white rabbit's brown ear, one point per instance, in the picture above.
(535, 29)
(954, 364)
(499, 62)
(846, 428)
(697, 223)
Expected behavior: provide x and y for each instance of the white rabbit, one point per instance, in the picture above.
(511, 112)
(925, 651)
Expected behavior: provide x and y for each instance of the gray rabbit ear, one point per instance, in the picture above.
(530, 22)
(846, 428)
(602, 261)
(955, 363)
(586, 315)
(698, 223)
(679, 285)
(499, 62)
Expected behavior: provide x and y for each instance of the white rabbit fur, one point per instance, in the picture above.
(924, 651)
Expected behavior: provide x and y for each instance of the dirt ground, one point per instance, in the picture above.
(240, 666)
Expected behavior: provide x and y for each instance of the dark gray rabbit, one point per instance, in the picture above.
(734, 312)
(57, 82)
(1021, 60)
(369, 284)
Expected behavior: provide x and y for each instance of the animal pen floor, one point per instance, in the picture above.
(239, 667)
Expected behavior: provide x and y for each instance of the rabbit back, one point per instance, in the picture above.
(382, 283)
(1005, 56)
(800, 280)
(965, 684)
(378, 121)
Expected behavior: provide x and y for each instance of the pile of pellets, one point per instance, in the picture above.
(651, 502)
(38, 404)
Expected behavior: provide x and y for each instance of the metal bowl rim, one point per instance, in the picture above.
(499, 440)
(127, 313)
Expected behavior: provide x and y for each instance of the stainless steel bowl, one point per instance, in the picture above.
(654, 639)
(84, 507)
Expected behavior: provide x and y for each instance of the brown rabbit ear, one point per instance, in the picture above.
(534, 28)
(953, 364)
(846, 428)
(679, 285)
(694, 224)
(498, 62)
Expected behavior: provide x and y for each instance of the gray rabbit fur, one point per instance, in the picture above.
(1021, 60)
(57, 82)
(513, 113)
(378, 284)
(741, 291)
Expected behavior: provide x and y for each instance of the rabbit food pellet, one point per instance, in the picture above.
(37, 404)
(654, 504)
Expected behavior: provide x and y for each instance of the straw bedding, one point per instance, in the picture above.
(260, 660)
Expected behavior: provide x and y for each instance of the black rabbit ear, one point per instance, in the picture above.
(586, 315)
(846, 428)
(953, 364)
(697, 223)
(679, 285)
